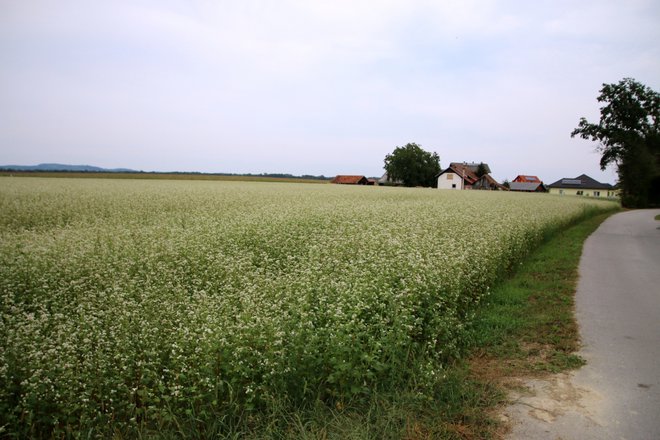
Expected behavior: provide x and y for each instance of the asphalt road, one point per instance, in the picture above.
(616, 395)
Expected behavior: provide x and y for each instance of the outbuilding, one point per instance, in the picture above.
(525, 183)
(350, 180)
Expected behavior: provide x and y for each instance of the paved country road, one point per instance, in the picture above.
(616, 395)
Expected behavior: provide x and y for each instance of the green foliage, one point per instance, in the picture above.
(412, 165)
(129, 307)
(481, 170)
(629, 137)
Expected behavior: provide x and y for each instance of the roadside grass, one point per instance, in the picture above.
(529, 318)
(460, 409)
(657, 217)
(526, 328)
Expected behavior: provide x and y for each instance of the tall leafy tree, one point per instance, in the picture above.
(481, 170)
(412, 165)
(629, 137)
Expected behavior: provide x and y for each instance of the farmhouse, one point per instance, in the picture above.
(464, 176)
(457, 176)
(582, 185)
(525, 183)
(350, 180)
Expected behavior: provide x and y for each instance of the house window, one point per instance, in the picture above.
(450, 176)
(596, 193)
(453, 186)
(561, 192)
(579, 193)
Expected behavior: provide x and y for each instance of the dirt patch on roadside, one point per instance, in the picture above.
(547, 399)
(538, 399)
(544, 408)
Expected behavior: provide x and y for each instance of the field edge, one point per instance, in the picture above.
(527, 328)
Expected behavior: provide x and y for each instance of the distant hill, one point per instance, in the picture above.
(63, 167)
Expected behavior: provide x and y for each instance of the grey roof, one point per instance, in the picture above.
(524, 186)
(581, 182)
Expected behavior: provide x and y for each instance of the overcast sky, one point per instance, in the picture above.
(315, 87)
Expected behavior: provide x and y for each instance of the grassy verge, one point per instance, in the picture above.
(525, 328)
(528, 320)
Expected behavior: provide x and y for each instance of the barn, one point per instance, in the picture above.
(350, 180)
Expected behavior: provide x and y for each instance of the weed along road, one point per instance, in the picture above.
(616, 395)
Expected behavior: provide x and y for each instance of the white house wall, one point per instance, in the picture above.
(447, 180)
(586, 192)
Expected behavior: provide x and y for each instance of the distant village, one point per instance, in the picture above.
(476, 176)
(457, 176)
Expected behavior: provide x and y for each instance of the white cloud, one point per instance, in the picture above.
(314, 86)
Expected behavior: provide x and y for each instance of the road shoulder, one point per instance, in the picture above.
(617, 393)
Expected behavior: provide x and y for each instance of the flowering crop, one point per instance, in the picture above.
(124, 303)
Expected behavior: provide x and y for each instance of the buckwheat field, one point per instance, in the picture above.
(127, 303)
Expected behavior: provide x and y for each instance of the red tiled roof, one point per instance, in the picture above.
(527, 179)
(349, 180)
(465, 172)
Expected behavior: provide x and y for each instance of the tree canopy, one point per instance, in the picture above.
(481, 170)
(628, 134)
(412, 165)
